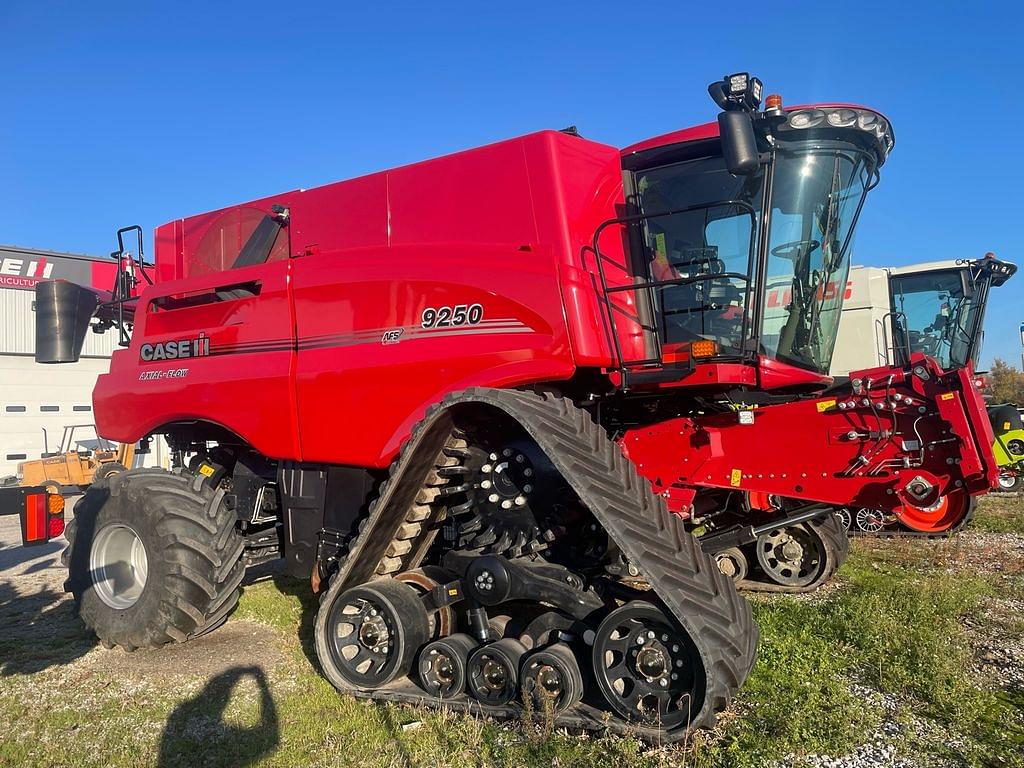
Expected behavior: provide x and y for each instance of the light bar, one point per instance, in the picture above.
(844, 117)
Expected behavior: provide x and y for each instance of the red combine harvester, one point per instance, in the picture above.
(524, 414)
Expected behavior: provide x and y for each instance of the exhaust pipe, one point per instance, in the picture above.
(63, 313)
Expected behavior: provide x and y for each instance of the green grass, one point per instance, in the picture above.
(999, 514)
(893, 623)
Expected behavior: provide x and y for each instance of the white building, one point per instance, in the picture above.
(38, 401)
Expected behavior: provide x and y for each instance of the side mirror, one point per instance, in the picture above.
(739, 146)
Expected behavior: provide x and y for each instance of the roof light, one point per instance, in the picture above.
(773, 101)
(842, 118)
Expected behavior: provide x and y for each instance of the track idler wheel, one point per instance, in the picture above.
(733, 563)
(792, 556)
(552, 678)
(443, 664)
(493, 671)
(944, 515)
(371, 634)
(647, 667)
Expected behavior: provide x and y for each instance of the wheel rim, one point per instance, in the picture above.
(870, 520)
(119, 566)
(732, 563)
(1007, 482)
(648, 670)
(945, 514)
(363, 640)
(792, 556)
(845, 518)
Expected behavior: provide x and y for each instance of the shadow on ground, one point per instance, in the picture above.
(40, 629)
(196, 732)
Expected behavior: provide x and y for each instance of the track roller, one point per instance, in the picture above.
(443, 664)
(371, 633)
(493, 671)
(551, 678)
(793, 556)
(647, 667)
(733, 563)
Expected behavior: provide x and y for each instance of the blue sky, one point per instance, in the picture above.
(139, 112)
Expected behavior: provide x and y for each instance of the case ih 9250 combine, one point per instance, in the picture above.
(507, 409)
(938, 309)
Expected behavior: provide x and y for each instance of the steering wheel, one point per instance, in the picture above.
(794, 249)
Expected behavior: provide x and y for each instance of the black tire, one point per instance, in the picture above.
(108, 469)
(192, 549)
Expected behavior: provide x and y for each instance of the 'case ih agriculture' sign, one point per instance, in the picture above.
(23, 268)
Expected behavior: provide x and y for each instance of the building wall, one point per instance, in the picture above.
(38, 401)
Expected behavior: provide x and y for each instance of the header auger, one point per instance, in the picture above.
(526, 415)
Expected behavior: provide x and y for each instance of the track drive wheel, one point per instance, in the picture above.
(366, 636)
(153, 558)
(944, 515)
(494, 671)
(552, 678)
(443, 663)
(647, 667)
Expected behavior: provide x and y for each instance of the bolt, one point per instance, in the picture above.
(520, 458)
(664, 683)
(486, 468)
(485, 484)
(675, 649)
(527, 488)
(641, 640)
(493, 457)
(528, 472)
(520, 500)
(506, 504)
(507, 452)
(679, 662)
(493, 498)
(650, 634)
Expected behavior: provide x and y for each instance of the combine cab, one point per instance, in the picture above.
(527, 416)
(937, 309)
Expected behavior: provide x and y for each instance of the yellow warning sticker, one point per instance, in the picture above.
(824, 405)
(453, 592)
(206, 470)
(735, 477)
(947, 396)
(1006, 426)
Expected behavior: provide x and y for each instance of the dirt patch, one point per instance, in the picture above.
(237, 643)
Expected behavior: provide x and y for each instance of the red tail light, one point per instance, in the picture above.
(42, 517)
(34, 526)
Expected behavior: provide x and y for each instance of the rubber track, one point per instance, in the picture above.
(837, 547)
(703, 600)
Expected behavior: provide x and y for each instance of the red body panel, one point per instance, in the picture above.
(335, 347)
(504, 227)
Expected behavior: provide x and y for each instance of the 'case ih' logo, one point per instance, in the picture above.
(176, 350)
